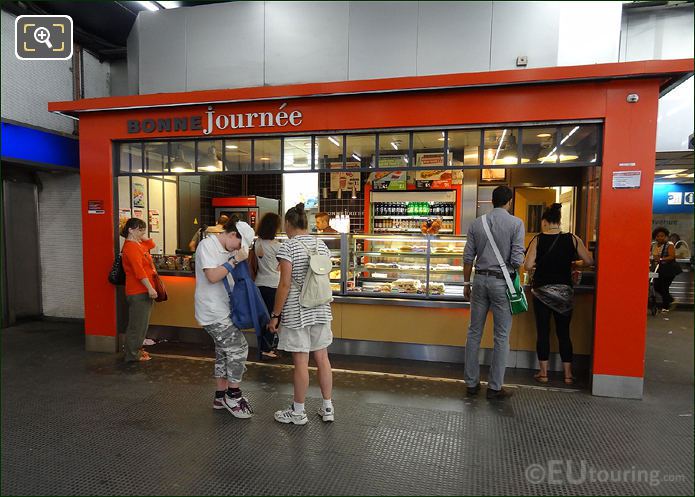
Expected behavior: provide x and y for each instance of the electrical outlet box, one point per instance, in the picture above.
(521, 61)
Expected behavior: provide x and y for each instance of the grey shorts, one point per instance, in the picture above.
(307, 339)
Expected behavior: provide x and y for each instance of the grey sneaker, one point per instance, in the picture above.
(289, 416)
(327, 414)
(240, 408)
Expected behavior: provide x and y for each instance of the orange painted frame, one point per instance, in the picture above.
(574, 93)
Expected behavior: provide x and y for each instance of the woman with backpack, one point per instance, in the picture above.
(302, 325)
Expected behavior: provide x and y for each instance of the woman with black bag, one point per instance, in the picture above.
(552, 254)
(141, 281)
(664, 259)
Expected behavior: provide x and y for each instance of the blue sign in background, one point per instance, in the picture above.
(39, 147)
(662, 193)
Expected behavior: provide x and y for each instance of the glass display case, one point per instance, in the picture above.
(406, 266)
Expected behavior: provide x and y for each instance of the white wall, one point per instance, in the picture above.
(241, 44)
(28, 85)
(60, 237)
(96, 76)
(659, 34)
(675, 121)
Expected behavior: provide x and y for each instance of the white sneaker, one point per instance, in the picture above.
(289, 416)
(327, 414)
(240, 408)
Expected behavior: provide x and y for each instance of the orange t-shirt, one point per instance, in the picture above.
(137, 264)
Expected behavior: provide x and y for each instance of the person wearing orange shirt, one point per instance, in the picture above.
(139, 286)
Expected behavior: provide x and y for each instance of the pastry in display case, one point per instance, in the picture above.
(411, 266)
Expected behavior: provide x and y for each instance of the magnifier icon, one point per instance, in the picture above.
(43, 35)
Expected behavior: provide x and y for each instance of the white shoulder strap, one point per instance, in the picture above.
(503, 266)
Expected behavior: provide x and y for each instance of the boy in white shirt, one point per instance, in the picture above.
(215, 257)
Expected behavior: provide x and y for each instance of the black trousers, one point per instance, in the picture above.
(268, 339)
(562, 329)
(661, 286)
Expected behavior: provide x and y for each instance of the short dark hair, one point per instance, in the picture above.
(222, 219)
(269, 226)
(296, 216)
(676, 236)
(658, 230)
(230, 225)
(501, 196)
(553, 214)
(133, 223)
(322, 214)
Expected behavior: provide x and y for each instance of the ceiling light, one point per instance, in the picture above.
(440, 139)
(394, 145)
(544, 135)
(169, 5)
(151, 6)
(333, 141)
(670, 171)
(232, 147)
(180, 164)
(357, 157)
(574, 130)
(210, 162)
(265, 158)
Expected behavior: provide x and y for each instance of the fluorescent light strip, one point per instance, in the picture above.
(357, 157)
(568, 136)
(504, 133)
(393, 144)
(151, 6)
(333, 141)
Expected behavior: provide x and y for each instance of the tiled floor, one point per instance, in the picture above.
(84, 423)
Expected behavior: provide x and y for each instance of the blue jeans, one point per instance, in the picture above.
(488, 294)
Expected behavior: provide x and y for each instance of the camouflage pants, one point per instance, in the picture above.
(231, 350)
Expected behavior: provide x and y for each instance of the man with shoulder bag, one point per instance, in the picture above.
(495, 245)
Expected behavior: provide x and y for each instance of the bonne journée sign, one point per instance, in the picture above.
(212, 121)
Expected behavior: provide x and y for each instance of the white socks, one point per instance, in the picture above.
(297, 407)
(327, 404)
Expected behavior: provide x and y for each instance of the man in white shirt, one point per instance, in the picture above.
(215, 257)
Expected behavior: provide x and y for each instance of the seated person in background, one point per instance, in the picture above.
(682, 249)
(218, 228)
(322, 223)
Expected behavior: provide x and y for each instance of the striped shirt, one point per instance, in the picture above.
(293, 314)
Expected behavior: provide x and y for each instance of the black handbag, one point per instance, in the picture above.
(117, 273)
(668, 269)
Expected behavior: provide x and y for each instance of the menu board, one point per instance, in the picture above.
(390, 180)
(345, 181)
(436, 178)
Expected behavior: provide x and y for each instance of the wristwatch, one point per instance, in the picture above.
(274, 316)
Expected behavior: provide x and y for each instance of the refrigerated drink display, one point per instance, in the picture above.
(405, 212)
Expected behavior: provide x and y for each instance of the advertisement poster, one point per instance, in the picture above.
(138, 194)
(436, 178)
(345, 181)
(395, 180)
(154, 221)
(139, 213)
(493, 174)
(123, 216)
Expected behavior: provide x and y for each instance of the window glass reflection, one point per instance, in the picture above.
(237, 155)
(297, 153)
(210, 156)
(396, 146)
(360, 150)
(266, 155)
(182, 157)
(501, 148)
(428, 148)
(538, 144)
(329, 150)
(464, 147)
